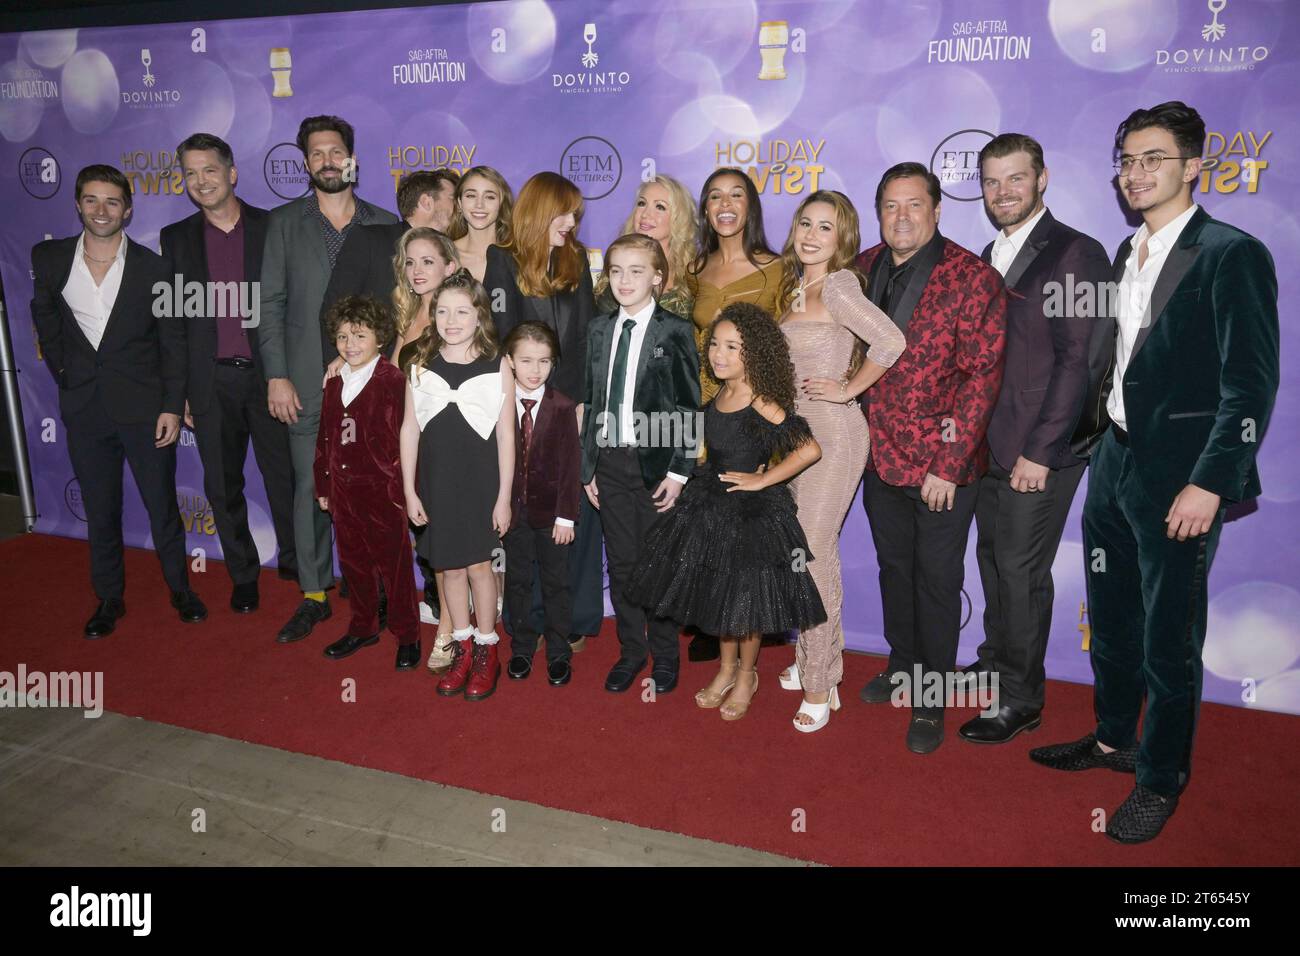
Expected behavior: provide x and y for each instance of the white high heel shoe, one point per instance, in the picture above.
(791, 682)
(820, 713)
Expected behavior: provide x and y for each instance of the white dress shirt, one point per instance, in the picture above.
(1134, 301)
(92, 304)
(1006, 248)
(355, 379)
(520, 394)
(642, 319)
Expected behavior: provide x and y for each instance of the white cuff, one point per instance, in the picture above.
(563, 523)
(682, 478)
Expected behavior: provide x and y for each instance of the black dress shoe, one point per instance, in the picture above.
(1002, 727)
(1141, 816)
(559, 673)
(519, 667)
(1085, 754)
(244, 598)
(287, 572)
(309, 614)
(189, 606)
(665, 676)
(878, 690)
(408, 656)
(348, 645)
(104, 619)
(704, 647)
(622, 675)
(924, 734)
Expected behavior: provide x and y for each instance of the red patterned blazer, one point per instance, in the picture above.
(930, 411)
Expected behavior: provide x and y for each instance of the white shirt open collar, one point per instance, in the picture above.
(92, 304)
(354, 380)
(1007, 247)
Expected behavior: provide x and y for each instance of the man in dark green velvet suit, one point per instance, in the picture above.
(1178, 421)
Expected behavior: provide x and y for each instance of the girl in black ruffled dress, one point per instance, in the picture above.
(730, 557)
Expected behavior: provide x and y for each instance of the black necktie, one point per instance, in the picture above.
(615, 398)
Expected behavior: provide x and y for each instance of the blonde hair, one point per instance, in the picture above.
(458, 227)
(683, 230)
(642, 243)
(406, 304)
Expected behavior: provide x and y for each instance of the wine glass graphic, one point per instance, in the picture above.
(146, 59)
(589, 34)
(1214, 30)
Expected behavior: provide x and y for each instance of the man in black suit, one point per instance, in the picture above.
(1024, 498)
(425, 197)
(120, 367)
(220, 248)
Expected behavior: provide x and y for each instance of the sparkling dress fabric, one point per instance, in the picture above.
(825, 491)
(732, 563)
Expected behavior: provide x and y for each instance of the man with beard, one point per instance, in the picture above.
(303, 239)
(226, 396)
(1024, 497)
(120, 369)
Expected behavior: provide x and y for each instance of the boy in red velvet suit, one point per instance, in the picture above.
(544, 506)
(359, 479)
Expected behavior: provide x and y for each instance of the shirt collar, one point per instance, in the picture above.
(1166, 237)
(360, 214)
(1021, 235)
(349, 373)
(639, 318)
(522, 393)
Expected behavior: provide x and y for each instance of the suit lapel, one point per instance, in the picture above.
(1177, 262)
(598, 359)
(67, 261)
(1034, 245)
(200, 246)
(129, 265)
(927, 259)
(312, 236)
(544, 411)
(653, 333)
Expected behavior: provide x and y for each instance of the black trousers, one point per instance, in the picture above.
(626, 513)
(1017, 537)
(527, 548)
(98, 446)
(922, 566)
(237, 413)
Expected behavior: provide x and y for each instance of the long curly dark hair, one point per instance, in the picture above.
(764, 351)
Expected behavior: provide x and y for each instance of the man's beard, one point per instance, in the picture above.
(329, 185)
(1025, 210)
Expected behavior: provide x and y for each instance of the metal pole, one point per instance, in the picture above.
(14, 414)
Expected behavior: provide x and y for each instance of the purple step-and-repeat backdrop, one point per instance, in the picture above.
(801, 94)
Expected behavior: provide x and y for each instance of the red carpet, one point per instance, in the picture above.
(668, 765)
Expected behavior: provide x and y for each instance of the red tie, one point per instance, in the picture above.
(527, 426)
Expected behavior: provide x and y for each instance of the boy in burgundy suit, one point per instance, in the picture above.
(358, 474)
(548, 464)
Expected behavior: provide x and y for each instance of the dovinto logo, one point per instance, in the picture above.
(956, 163)
(593, 165)
(591, 80)
(148, 97)
(285, 171)
(39, 173)
(1228, 56)
(72, 498)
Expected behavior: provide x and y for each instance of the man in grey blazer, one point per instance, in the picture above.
(303, 239)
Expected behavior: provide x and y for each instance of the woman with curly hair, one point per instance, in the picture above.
(735, 564)
(829, 324)
(665, 212)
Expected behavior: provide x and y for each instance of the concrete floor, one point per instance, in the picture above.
(118, 791)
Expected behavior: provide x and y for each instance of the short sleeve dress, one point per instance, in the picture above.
(732, 563)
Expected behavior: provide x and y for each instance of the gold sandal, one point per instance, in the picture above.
(708, 700)
(731, 711)
(441, 656)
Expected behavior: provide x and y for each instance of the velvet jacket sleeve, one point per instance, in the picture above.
(686, 395)
(331, 414)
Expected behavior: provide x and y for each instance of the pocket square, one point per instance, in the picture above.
(659, 352)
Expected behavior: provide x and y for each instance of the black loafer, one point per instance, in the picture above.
(665, 676)
(408, 656)
(622, 675)
(924, 734)
(519, 667)
(559, 673)
(1085, 754)
(878, 690)
(703, 647)
(189, 606)
(1141, 816)
(1002, 727)
(309, 614)
(244, 598)
(104, 619)
(348, 645)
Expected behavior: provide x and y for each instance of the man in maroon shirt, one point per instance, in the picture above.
(220, 248)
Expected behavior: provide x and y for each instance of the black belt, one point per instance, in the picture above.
(236, 361)
(1121, 435)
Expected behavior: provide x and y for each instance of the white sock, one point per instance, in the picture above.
(491, 637)
(463, 634)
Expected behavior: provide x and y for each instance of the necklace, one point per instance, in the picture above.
(804, 288)
(93, 259)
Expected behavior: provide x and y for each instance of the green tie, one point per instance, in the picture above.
(615, 398)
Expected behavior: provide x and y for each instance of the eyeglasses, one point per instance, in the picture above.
(1150, 162)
